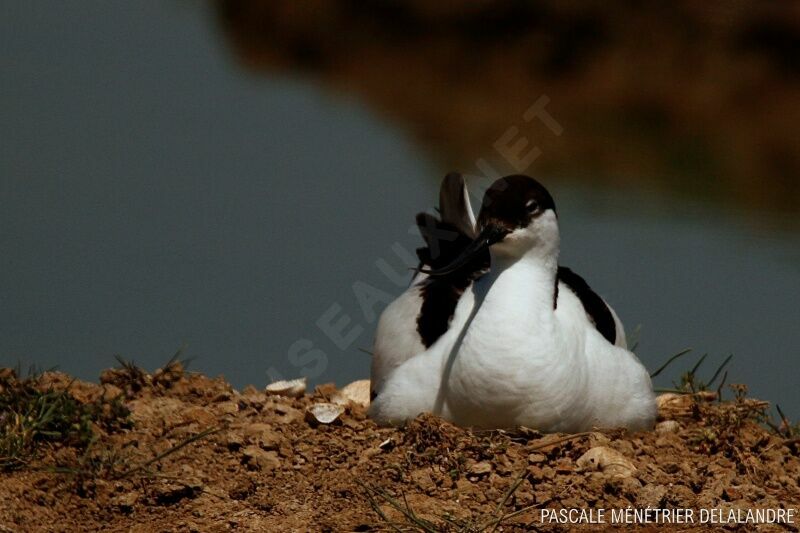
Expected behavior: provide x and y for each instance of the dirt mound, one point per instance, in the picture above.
(196, 455)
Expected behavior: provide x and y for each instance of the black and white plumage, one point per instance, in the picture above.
(460, 340)
(423, 313)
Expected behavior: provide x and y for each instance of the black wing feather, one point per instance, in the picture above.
(595, 307)
(445, 239)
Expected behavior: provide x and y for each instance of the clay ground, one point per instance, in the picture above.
(196, 455)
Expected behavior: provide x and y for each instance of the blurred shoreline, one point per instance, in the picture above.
(697, 100)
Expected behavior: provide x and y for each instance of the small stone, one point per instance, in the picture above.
(323, 413)
(200, 415)
(673, 401)
(242, 489)
(731, 493)
(222, 397)
(502, 465)
(606, 460)
(169, 492)
(671, 468)
(233, 440)
(293, 388)
(255, 428)
(226, 408)
(111, 392)
(623, 446)
(665, 440)
(651, 496)
(564, 469)
(625, 486)
(535, 472)
(250, 390)
(481, 468)
(535, 458)
(598, 439)
(356, 392)
(286, 414)
(463, 486)
(668, 399)
(667, 426)
(263, 435)
(523, 497)
(529, 433)
(125, 502)
(423, 480)
(257, 459)
(325, 390)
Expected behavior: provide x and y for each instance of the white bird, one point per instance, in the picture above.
(526, 343)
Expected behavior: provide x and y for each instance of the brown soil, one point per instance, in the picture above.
(265, 467)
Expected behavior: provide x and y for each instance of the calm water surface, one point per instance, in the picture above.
(154, 195)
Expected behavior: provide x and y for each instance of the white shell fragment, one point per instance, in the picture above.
(293, 388)
(324, 413)
(606, 460)
(667, 426)
(672, 400)
(356, 392)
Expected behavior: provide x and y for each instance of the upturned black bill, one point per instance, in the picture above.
(490, 234)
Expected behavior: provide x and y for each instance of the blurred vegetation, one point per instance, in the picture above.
(695, 98)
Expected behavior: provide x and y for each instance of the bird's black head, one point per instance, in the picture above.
(514, 202)
(517, 214)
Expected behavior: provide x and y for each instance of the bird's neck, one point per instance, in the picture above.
(529, 279)
(516, 297)
(512, 340)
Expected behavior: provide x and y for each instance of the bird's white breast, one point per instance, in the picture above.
(509, 359)
(522, 363)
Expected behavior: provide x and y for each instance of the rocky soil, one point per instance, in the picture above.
(198, 455)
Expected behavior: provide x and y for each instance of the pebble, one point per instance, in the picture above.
(356, 392)
(478, 469)
(667, 426)
(293, 388)
(257, 459)
(535, 458)
(606, 460)
(323, 413)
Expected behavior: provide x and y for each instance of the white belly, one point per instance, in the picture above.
(554, 372)
(506, 367)
(416, 385)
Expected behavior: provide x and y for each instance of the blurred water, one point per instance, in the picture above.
(152, 194)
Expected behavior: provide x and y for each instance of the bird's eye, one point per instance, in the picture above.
(531, 206)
